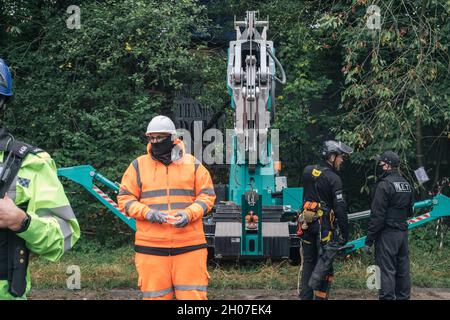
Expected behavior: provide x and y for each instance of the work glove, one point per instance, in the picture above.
(182, 221)
(156, 216)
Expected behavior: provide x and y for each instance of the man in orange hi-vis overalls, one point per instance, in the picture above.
(168, 192)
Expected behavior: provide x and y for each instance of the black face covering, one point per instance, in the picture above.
(379, 171)
(162, 151)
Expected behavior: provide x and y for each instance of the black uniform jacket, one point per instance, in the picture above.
(392, 204)
(329, 191)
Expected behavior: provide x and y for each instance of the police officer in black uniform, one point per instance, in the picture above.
(392, 205)
(320, 238)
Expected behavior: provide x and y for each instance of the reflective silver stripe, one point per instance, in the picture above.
(187, 288)
(208, 191)
(67, 233)
(124, 192)
(64, 212)
(136, 167)
(154, 294)
(182, 192)
(65, 229)
(203, 205)
(154, 193)
(159, 206)
(13, 189)
(196, 165)
(180, 205)
(128, 205)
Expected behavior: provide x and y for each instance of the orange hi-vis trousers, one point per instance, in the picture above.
(184, 274)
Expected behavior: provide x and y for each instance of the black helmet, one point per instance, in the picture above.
(335, 147)
(390, 157)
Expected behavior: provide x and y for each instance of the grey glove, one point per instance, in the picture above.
(156, 216)
(182, 221)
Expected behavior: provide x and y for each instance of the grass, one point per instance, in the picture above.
(99, 269)
(103, 268)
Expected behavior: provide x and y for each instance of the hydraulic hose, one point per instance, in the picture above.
(283, 74)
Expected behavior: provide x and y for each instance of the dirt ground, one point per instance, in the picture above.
(131, 294)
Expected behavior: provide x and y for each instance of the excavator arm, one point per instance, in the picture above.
(86, 176)
(439, 205)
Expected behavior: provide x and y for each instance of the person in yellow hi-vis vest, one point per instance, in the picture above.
(35, 214)
(168, 192)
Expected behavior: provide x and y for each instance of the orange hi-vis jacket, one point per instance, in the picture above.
(183, 185)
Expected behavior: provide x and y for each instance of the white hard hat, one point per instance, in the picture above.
(161, 124)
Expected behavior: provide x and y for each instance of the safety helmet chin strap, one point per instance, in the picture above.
(390, 167)
(333, 163)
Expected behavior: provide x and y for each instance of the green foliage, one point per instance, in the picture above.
(86, 95)
(395, 77)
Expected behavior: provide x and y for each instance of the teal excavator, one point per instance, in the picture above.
(257, 220)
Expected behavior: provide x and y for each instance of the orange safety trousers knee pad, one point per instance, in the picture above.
(185, 275)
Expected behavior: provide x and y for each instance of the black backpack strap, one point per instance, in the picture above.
(14, 153)
(22, 149)
(316, 173)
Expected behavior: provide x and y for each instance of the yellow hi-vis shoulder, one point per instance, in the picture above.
(316, 173)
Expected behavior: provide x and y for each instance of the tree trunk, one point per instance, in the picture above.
(419, 153)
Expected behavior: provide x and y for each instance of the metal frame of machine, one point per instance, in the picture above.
(249, 224)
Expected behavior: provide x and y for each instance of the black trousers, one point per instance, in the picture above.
(392, 257)
(312, 251)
